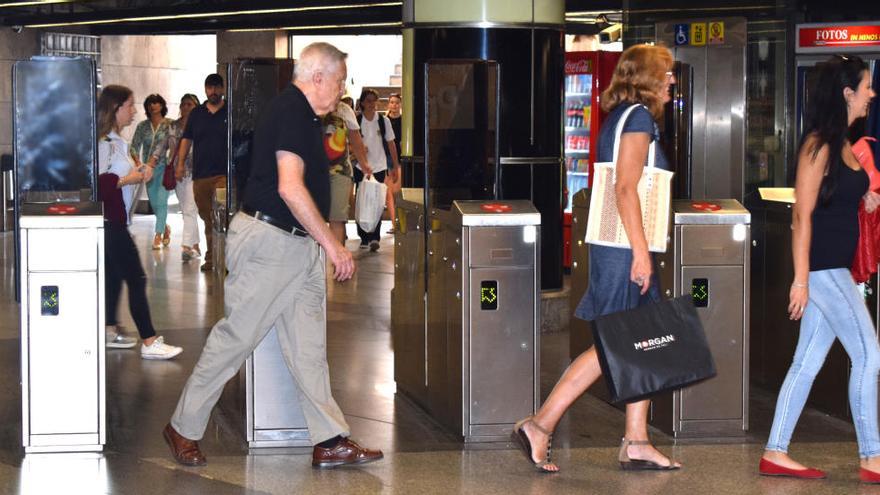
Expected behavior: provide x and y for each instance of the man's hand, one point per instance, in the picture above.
(295, 194)
(343, 263)
(178, 173)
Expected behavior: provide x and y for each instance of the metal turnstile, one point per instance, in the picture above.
(466, 334)
(263, 398)
(408, 329)
(580, 337)
(709, 258)
(63, 385)
(499, 318)
(274, 417)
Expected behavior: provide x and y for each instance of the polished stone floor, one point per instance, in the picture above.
(420, 456)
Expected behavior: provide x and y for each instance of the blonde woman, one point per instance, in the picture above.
(620, 278)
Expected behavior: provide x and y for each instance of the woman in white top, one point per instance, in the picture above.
(378, 136)
(118, 183)
(183, 174)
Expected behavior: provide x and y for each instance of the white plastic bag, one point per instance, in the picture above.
(369, 204)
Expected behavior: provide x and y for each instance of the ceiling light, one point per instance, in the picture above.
(199, 15)
(323, 26)
(34, 3)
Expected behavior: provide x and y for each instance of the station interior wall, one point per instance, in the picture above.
(372, 61)
(168, 65)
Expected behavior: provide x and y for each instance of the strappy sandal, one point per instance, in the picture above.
(628, 464)
(519, 437)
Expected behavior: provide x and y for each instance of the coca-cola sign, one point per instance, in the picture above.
(838, 38)
(578, 66)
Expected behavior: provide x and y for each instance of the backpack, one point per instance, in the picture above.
(389, 163)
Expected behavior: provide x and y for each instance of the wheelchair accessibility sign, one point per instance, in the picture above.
(682, 34)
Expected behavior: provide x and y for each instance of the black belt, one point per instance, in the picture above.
(290, 229)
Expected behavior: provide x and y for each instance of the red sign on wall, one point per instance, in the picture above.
(837, 38)
(578, 63)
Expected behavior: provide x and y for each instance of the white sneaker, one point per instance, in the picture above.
(116, 340)
(159, 350)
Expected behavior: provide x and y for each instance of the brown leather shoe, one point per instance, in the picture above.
(345, 452)
(184, 450)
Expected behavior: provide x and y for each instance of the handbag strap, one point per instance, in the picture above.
(618, 132)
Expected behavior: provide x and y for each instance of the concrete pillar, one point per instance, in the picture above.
(13, 46)
(525, 37)
(252, 44)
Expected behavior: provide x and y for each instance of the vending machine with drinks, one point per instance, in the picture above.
(587, 74)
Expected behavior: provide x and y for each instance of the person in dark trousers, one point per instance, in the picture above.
(829, 185)
(205, 132)
(118, 184)
(276, 271)
(395, 175)
(378, 137)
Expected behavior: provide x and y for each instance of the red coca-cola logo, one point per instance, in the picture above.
(577, 66)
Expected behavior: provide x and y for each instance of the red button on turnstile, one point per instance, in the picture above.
(496, 207)
(704, 206)
(61, 209)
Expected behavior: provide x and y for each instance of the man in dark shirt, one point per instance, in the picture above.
(206, 133)
(276, 272)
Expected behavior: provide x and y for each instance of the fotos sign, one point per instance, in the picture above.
(838, 38)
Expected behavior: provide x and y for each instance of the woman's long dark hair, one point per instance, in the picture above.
(826, 117)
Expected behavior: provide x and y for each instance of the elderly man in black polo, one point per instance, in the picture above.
(276, 273)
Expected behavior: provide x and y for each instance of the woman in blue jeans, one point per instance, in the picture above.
(830, 183)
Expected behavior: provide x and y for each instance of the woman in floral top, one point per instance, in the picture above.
(147, 147)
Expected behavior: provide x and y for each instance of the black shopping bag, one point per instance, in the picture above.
(651, 349)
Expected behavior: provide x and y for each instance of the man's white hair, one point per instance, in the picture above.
(318, 57)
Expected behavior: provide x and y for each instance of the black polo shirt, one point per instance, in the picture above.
(207, 131)
(288, 124)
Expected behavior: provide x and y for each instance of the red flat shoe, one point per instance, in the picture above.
(870, 477)
(767, 468)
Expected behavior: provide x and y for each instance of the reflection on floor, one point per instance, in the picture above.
(420, 456)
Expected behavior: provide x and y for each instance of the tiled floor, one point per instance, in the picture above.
(420, 456)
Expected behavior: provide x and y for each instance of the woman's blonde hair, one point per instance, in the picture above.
(640, 77)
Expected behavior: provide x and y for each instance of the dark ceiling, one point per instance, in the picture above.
(208, 16)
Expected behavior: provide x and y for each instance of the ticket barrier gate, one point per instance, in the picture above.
(63, 365)
(479, 337)
(709, 258)
(263, 398)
